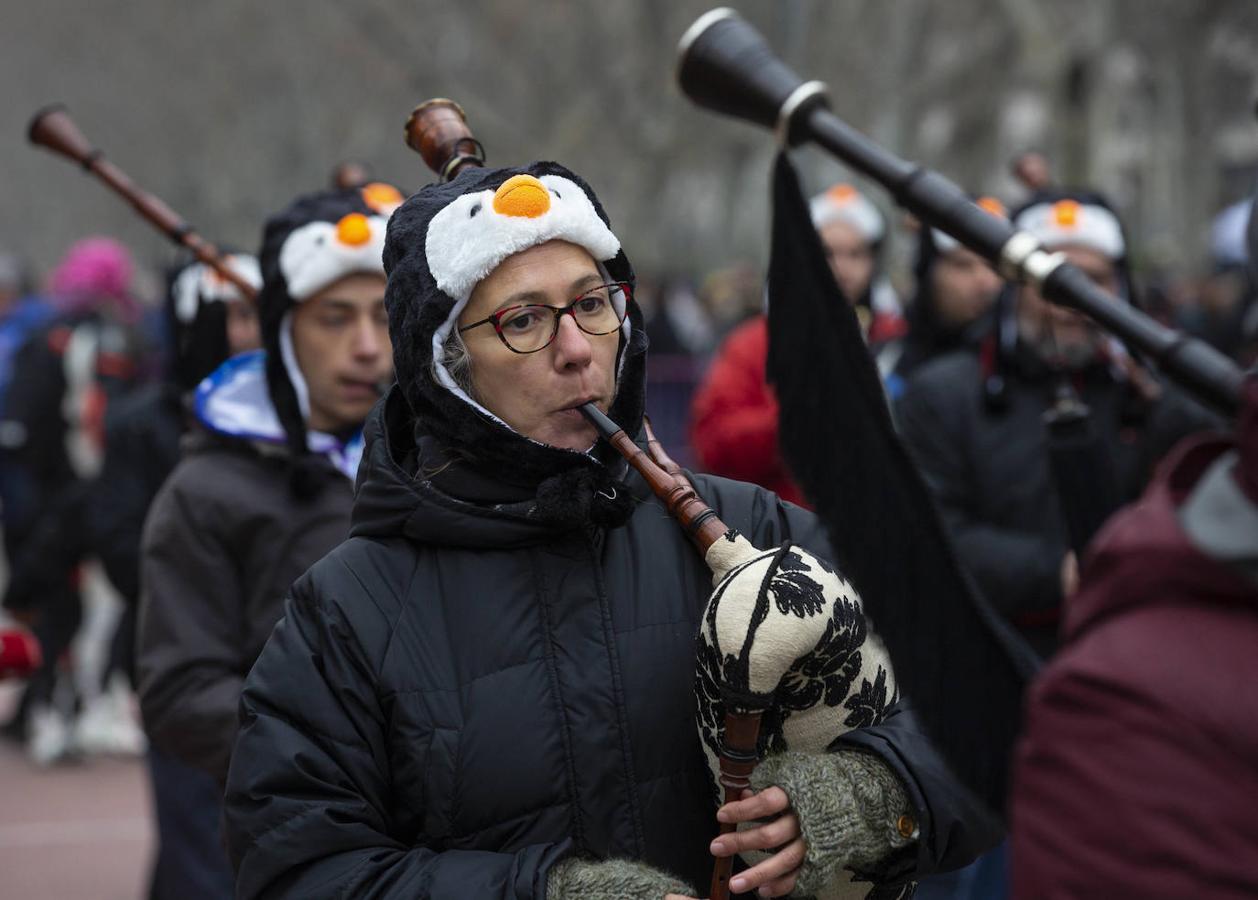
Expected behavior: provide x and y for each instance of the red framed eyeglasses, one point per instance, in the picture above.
(531, 327)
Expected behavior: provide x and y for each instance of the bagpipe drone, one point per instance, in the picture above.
(955, 658)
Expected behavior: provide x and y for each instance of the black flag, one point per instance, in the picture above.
(960, 665)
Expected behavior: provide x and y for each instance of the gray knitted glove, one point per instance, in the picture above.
(852, 810)
(612, 879)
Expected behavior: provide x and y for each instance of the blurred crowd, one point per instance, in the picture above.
(96, 378)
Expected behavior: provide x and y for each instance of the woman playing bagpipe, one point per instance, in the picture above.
(490, 689)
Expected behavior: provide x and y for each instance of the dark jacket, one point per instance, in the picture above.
(51, 442)
(223, 541)
(986, 461)
(1136, 772)
(459, 696)
(141, 449)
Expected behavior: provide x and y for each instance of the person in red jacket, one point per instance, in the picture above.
(734, 415)
(1135, 775)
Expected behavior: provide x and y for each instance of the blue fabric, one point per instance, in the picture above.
(26, 317)
(987, 878)
(191, 861)
(233, 400)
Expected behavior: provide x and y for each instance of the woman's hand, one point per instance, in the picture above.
(775, 876)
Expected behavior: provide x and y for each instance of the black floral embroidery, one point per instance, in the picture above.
(826, 675)
(868, 706)
(794, 590)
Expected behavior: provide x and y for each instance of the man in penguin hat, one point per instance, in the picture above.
(974, 421)
(488, 690)
(954, 293)
(208, 320)
(266, 481)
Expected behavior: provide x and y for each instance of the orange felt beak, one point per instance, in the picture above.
(383, 198)
(353, 229)
(522, 195)
(1066, 213)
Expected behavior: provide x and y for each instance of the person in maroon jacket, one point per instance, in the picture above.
(1136, 774)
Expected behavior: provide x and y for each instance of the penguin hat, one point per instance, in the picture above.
(844, 203)
(197, 311)
(441, 243)
(317, 240)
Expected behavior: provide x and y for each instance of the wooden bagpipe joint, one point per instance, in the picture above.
(53, 129)
(437, 130)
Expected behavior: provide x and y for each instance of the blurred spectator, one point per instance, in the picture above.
(350, 173)
(20, 315)
(731, 296)
(734, 415)
(208, 321)
(69, 372)
(973, 421)
(1226, 309)
(1135, 773)
(954, 295)
(1033, 171)
(853, 233)
(677, 322)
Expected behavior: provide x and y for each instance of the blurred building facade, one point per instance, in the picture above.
(226, 109)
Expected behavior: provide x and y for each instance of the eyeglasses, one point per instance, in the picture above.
(527, 329)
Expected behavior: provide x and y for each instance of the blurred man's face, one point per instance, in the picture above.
(1062, 336)
(341, 340)
(851, 258)
(243, 333)
(963, 287)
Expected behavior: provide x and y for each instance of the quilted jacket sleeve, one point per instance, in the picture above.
(309, 795)
(189, 657)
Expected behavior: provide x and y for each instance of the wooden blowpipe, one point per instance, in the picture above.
(698, 520)
(742, 727)
(53, 129)
(437, 130)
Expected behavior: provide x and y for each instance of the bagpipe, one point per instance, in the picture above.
(53, 129)
(959, 662)
(785, 657)
(726, 66)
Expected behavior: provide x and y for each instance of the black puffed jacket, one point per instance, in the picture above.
(459, 696)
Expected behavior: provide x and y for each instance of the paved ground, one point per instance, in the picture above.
(73, 832)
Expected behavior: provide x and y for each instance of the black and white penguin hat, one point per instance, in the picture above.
(471, 236)
(844, 203)
(319, 239)
(945, 243)
(197, 309)
(441, 243)
(197, 284)
(1078, 221)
